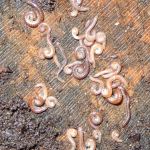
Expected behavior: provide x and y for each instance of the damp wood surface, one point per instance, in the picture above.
(127, 26)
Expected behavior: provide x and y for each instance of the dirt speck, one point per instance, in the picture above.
(48, 5)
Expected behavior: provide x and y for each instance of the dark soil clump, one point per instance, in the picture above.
(20, 129)
(48, 5)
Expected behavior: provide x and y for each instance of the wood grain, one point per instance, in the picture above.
(129, 39)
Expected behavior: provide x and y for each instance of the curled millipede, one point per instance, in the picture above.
(101, 38)
(41, 91)
(46, 53)
(80, 68)
(89, 35)
(71, 134)
(68, 68)
(51, 101)
(76, 4)
(64, 63)
(97, 135)
(81, 71)
(75, 34)
(116, 98)
(40, 94)
(35, 17)
(107, 91)
(97, 86)
(114, 69)
(34, 108)
(115, 136)
(96, 89)
(90, 144)
(74, 13)
(81, 52)
(97, 41)
(39, 102)
(51, 52)
(127, 103)
(95, 119)
(95, 49)
(86, 42)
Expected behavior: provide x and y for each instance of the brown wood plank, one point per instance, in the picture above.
(129, 40)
